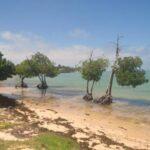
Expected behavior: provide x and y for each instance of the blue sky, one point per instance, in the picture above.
(66, 30)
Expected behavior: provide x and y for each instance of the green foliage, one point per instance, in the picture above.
(45, 141)
(55, 142)
(129, 72)
(7, 68)
(92, 70)
(41, 64)
(24, 70)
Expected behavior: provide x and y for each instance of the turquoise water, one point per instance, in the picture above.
(128, 102)
(73, 81)
(72, 84)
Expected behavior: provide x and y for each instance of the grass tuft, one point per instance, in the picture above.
(45, 141)
(6, 125)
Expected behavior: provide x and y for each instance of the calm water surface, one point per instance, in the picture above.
(71, 84)
(128, 101)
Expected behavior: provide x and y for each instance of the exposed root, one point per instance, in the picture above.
(88, 97)
(22, 85)
(104, 100)
(42, 86)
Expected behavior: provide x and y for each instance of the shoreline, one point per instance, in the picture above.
(95, 127)
(121, 108)
(119, 132)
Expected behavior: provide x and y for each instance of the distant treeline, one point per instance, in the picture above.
(66, 69)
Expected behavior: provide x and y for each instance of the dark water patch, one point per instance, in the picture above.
(135, 102)
(57, 86)
(66, 92)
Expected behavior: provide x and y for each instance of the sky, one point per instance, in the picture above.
(67, 30)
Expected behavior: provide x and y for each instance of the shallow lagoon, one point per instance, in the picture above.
(128, 102)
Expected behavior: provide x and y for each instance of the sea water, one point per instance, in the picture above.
(128, 101)
(72, 84)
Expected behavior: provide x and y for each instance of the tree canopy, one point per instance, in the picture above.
(42, 66)
(129, 72)
(7, 68)
(92, 70)
(24, 70)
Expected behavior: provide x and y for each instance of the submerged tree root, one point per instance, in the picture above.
(104, 100)
(88, 97)
(42, 86)
(22, 85)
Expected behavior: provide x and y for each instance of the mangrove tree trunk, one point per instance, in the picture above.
(107, 98)
(22, 84)
(43, 84)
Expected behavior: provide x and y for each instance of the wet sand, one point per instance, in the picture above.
(96, 126)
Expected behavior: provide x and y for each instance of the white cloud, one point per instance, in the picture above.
(13, 37)
(79, 33)
(17, 47)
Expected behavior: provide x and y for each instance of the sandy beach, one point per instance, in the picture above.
(96, 127)
(90, 126)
